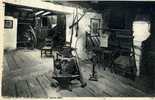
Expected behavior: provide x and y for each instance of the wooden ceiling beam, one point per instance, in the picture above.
(38, 4)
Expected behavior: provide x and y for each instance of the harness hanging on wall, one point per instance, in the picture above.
(75, 23)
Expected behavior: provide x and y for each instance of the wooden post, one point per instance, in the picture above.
(2, 9)
(137, 45)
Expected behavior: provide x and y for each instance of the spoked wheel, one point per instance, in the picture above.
(31, 37)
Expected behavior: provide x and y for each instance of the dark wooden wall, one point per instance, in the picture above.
(122, 17)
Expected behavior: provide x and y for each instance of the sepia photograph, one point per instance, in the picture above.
(67, 48)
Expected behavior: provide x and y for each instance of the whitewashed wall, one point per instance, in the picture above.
(10, 34)
(83, 27)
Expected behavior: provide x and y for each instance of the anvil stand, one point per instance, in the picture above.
(93, 76)
(95, 60)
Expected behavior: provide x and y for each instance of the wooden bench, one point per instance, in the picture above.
(47, 49)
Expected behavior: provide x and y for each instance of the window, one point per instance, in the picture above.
(8, 23)
(94, 26)
(141, 30)
(53, 20)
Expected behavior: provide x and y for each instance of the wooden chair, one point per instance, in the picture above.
(47, 48)
(125, 62)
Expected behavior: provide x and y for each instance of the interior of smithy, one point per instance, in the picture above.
(79, 49)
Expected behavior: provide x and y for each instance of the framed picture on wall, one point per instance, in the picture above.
(94, 26)
(8, 23)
